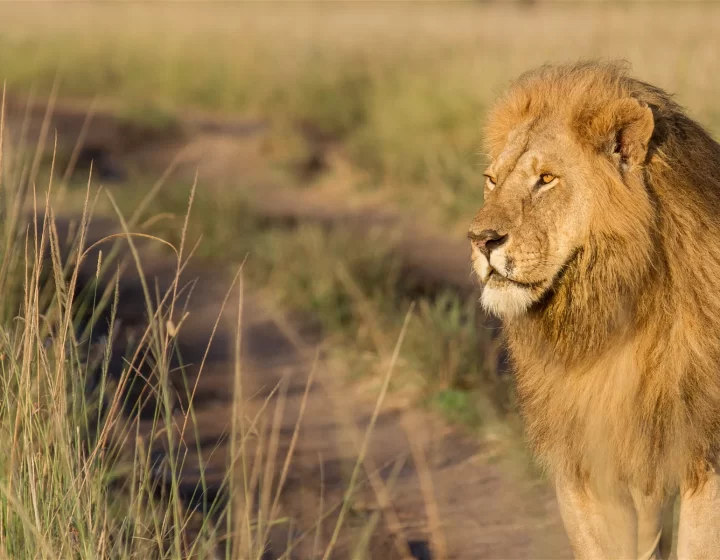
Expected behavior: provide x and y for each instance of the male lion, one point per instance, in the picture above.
(599, 247)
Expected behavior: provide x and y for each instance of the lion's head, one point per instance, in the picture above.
(567, 148)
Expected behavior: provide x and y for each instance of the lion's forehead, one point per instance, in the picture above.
(530, 152)
(515, 146)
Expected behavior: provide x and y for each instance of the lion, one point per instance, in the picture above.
(598, 246)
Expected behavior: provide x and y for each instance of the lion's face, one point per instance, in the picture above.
(556, 178)
(538, 205)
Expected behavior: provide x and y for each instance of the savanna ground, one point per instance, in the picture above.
(315, 168)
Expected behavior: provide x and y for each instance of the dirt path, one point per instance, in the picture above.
(447, 494)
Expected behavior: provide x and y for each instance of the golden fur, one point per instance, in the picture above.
(618, 350)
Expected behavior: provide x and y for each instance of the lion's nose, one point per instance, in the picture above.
(487, 240)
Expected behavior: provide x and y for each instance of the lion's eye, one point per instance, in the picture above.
(491, 181)
(546, 178)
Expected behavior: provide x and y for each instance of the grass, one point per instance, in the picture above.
(401, 92)
(78, 481)
(81, 478)
(54, 494)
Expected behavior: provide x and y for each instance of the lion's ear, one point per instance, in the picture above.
(624, 128)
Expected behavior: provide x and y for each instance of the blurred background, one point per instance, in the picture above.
(335, 150)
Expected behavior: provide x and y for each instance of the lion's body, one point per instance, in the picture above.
(618, 361)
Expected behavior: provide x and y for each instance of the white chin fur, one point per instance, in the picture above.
(506, 301)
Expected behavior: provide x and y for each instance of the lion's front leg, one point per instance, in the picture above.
(598, 529)
(620, 525)
(654, 525)
(699, 527)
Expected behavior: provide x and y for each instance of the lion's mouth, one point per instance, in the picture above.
(498, 279)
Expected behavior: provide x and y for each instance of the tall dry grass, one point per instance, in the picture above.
(70, 485)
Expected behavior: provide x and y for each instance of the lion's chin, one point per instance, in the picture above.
(507, 299)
